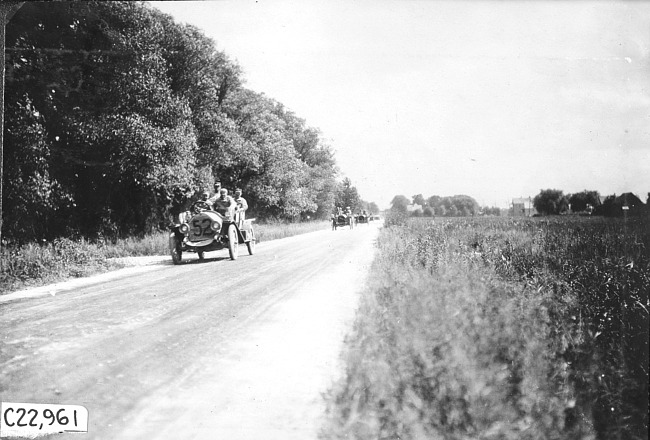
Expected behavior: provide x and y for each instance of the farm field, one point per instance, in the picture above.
(500, 328)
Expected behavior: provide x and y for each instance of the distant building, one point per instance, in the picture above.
(413, 207)
(522, 207)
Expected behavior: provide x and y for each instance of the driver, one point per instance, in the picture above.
(224, 202)
(203, 203)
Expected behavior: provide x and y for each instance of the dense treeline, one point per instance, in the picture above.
(553, 202)
(547, 202)
(451, 206)
(116, 116)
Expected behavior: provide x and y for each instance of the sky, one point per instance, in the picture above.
(492, 99)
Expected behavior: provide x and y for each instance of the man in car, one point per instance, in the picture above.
(242, 204)
(224, 202)
(203, 203)
(217, 191)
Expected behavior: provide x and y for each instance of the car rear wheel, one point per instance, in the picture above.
(175, 249)
(233, 242)
(251, 243)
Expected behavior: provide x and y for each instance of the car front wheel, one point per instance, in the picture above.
(175, 249)
(233, 242)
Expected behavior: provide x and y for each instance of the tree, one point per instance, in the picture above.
(321, 171)
(260, 155)
(550, 202)
(35, 199)
(465, 205)
(373, 208)
(458, 205)
(434, 201)
(579, 201)
(399, 203)
(118, 141)
(347, 195)
(419, 200)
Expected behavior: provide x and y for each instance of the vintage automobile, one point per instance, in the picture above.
(363, 218)
(203, 230)
(342, 220)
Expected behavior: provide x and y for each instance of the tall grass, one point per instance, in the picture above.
(267, 231)
(478, 328)
(35, 264)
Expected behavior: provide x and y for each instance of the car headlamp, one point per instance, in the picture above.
(185, 228)
(184, 216)
(216, 226)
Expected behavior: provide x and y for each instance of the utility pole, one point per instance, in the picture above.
(7, 10)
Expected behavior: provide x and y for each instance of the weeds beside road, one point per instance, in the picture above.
(38, 264)
(500, 329)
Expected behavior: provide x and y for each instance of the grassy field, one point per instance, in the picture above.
(42, 263)
(500, 329)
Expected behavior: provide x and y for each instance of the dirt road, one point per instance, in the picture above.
(213, 350)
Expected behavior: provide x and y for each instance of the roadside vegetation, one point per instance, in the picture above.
(38, 264)
(500, 328)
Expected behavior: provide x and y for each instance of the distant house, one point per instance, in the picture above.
(628, 199)
(413, 207)
(626, 203)
(522, 207)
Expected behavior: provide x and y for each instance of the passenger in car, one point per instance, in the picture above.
(242, 204)
(224, 202)
(217, 191)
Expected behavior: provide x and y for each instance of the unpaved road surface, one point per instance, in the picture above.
(217, 349)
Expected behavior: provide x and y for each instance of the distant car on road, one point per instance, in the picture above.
(342, 220)
(363, 218)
